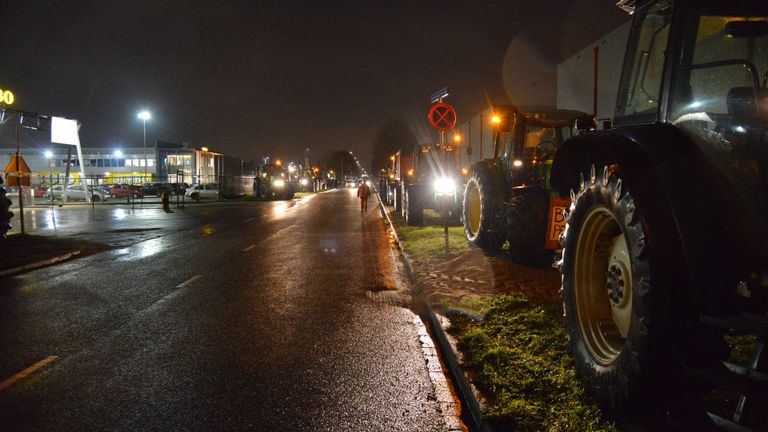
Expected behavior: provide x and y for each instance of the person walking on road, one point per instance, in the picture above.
(363, 192)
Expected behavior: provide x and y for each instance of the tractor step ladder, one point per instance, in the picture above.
(750, 382)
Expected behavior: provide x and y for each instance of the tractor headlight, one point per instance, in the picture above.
(445, 186)
(279, 183)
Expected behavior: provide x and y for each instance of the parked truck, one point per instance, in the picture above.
(665, 247)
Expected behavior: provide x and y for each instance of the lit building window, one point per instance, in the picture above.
(150, 162)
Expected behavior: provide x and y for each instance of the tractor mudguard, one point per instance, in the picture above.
(684, 201)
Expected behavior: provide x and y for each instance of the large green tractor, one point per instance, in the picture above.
(666, 242)
(508, 198)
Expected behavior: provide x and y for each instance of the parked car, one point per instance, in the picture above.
(179, 188)
(75, 193)
(155, 188)
(203, 191)
(122, 190)
(40, 191)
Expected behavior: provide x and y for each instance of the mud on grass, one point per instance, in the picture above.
(518, 355)
(18, 250)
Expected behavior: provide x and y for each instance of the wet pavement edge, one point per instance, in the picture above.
(450, 358)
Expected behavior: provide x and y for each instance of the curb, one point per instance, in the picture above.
(36, 265)
(426, 313)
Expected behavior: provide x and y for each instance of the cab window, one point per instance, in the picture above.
(644, 66)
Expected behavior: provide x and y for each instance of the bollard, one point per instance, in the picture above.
(166, 202)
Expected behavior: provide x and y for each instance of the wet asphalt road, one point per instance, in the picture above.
(254, 317)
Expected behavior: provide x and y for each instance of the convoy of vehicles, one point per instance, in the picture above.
(661, 218)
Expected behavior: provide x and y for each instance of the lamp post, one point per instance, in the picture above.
(144, 116)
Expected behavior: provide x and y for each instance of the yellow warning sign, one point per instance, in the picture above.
(17, 172)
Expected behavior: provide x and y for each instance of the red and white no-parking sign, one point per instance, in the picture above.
(442, 117)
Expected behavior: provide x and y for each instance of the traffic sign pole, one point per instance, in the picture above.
(18, 179)
(443, 118)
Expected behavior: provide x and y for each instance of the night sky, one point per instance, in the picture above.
(255, 78)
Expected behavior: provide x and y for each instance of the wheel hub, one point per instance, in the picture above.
(619, 284)
(616, 283)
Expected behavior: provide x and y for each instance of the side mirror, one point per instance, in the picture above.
(585, 123)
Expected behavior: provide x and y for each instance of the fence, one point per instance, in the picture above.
(45, 188)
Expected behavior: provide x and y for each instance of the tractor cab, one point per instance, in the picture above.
(526, 142)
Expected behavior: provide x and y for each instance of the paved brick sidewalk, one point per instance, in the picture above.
(467, 278)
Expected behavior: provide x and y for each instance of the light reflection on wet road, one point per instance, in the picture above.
(235, 316)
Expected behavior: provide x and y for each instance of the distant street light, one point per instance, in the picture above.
(118, 153)
(144, 116)
(48, 154)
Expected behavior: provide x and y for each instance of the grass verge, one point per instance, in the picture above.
(428, 241)
(28, 249)
(518, 356)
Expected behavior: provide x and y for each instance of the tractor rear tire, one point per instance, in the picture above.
(480, 209)
(526, 227)
(264, 191)
(413, 208)
(397, 198)
(616, 316)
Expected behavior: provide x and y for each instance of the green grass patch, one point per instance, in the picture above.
(428, 241)
(519, 357)
(474, 306)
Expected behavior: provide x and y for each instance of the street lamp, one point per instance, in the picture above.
(144, 116)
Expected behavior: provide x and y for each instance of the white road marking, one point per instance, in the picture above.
(27, 372)
(249, 220)
(249, 248)
(189, 281)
